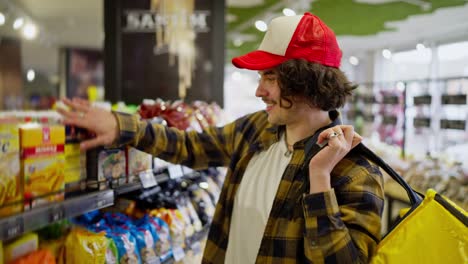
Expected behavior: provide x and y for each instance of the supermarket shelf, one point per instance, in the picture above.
(193, 243)
(36, 218)
(131, 187)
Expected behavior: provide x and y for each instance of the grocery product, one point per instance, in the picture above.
(11, 188)
(20, 247)
(42, 163)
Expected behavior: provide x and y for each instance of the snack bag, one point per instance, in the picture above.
(145, 243)
(83, 246)
(163, 245)
(42, 256)
(126, 246)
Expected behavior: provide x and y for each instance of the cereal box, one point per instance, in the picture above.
(11, 189)
(42, 163)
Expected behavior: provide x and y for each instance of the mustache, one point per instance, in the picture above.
(268, 101)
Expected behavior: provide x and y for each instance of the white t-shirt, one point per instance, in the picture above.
(253, 202)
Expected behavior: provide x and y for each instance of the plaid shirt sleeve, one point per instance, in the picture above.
(212, 147)
(343, 224)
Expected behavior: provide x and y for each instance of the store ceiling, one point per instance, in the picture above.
(360, 24)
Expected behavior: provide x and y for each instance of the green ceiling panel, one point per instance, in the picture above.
(345, 17)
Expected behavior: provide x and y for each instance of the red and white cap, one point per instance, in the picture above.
(293, 37)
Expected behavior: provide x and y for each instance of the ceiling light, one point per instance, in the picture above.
(386, 53)
(400, 86)
(18, 23)
(261, 25)
(30, 75)
(30, 31)
(236, 76)
(289, 12)
(420, 46)
(354, 60)
(2, 18)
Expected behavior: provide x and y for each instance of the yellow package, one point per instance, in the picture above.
(21, 247)
(42, 163)
(1, 252)
(11, 188)
(82, 247)
(75, 163)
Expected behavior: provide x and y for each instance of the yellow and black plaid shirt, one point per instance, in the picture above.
(339, 226)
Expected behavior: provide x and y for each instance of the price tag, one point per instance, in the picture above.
(13, 228)
(147, 179)
(56, 213)
(175, 171)
(196, 248)
(179, 253)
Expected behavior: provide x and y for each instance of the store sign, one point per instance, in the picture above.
(452, 124)
(459, 99)
(148, 21)
(422, 100)
(422, 122)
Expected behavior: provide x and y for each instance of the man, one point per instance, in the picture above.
(285, 199)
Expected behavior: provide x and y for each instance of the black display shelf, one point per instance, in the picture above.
(36, 218)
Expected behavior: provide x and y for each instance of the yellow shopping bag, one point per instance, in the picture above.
(434, 230)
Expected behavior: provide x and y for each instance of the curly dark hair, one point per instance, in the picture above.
(322, 86)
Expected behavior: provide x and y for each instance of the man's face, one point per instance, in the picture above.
(269, 91)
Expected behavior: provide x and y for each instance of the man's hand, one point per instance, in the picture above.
(98, 121)
(341, 139)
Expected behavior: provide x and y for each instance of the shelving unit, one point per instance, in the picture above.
(16, 225)
(36, 218)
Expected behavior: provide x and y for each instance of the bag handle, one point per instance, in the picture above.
(412, 194)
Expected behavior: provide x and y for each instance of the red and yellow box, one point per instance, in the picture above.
(11, 188)
(42, 163)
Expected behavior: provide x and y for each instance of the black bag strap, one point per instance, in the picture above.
(313, 148)
(413, 196)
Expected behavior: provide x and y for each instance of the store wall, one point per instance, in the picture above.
(11, 84)
(135, 69)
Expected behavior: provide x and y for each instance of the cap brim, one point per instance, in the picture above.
(258, 60)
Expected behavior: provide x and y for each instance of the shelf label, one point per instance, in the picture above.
(452, 124)
(196, 248)
(422, 100)
(422, 122)
(179, 253)
(13, 228)
(390, 99)
(459, 99)
(175, 171)
(147, 179)
(56, 213)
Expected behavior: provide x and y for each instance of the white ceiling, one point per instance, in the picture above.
(80, 23)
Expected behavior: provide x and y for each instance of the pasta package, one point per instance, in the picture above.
(42, 163)
(11, 189)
